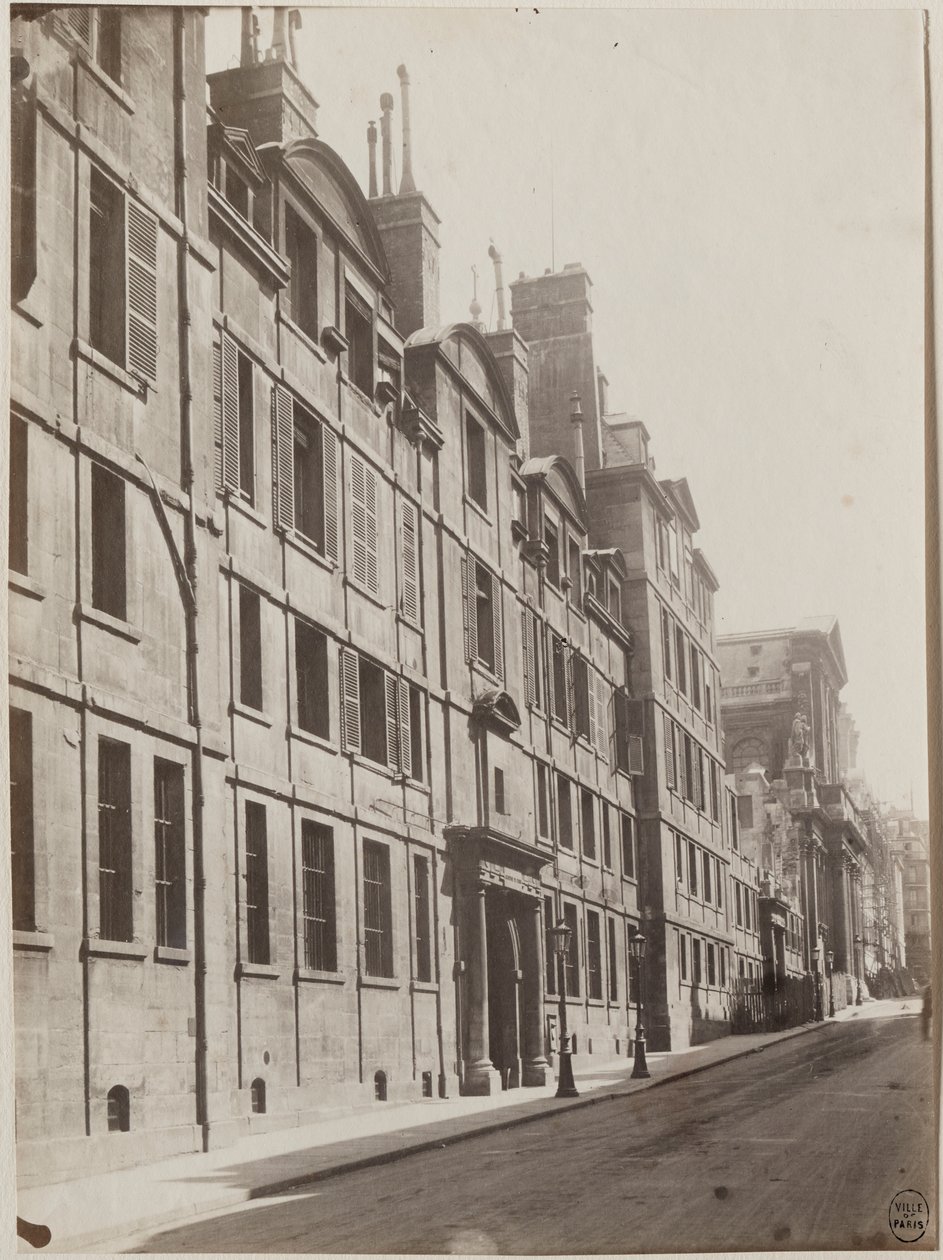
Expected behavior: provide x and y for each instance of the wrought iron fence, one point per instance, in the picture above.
(754, 1008)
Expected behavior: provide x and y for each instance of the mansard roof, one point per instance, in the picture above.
(473, 359)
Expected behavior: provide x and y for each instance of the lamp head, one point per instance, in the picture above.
(561, 934)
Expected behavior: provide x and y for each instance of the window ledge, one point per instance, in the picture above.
(253, 715)
(110, 86)
(235, 500)
(306, 339)
(362, 590)
(413, 625)
(558, 725)
(379, 982)
(256, 971)
(95, 947)
(630, 879)
(35, 940)
(600, 1002)
(25, 585)
(308, 975)
(105, 621)
(308, 549)
(423, 986)
(482, 668)
(308, 737)
(417, 785)
(476, 507)
(168, 954)
(359, 394)
(105, 365)
(377, 766)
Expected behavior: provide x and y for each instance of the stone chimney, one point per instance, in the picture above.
(510, 351)
(602, 382)
(409, 229)
(553, 314)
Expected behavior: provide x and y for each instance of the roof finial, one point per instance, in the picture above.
(474, 305)
(407, 184)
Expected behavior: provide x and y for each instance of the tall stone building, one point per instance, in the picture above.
(319, 679)
(909, 841)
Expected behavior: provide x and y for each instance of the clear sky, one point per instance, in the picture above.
(746, 192)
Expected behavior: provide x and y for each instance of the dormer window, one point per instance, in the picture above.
(359, 331)
(574, 567)
(552, 539)
(476, 461)
(301, 248)
(614, 600)
(237, 193)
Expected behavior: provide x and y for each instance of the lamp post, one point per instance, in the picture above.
(637, 953)
(819, 1013)
(859, 959)
(566, 1087)
(829, 960)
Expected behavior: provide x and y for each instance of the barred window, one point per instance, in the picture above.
(257, 890)
(318, 903)
(170, 869)
(377, 910)
(423, 922)
(114, 841)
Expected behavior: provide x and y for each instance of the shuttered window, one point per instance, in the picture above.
(530, 629)
(141, 291)
(603, 722)
(482, 616)
(363, 522)
(629, 842)
(305, 457)
(559, 671)
(584, 698)
(670, 772)
(235, 425)
(409, 559)
(311, 680)
(381, 716)
(122, 259)
(350, 700)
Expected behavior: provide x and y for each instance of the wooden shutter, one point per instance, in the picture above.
(636, 759)
(682, 764)
(469, 609)
(358, 520)
(218, 413)
(229, 395)
(141, 274)
(392, 721)
(602, 714)
(370, 506)
(283, 443)
(622, 730)
(497, 619)
(530, 691)
(331, 463)
(670, 773)
(80, 23)
(405, 730)
(591, 704)
(350, 701)
(569, 658)
(410, 558)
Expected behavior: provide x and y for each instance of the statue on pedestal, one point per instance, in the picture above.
(799, 738)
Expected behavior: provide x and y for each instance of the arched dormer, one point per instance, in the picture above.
(330, 181)
(557, 475)
(467, 353)
(496, 708)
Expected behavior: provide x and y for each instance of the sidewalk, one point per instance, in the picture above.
(111, 1206)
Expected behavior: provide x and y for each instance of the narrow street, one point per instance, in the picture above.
(800, 1146)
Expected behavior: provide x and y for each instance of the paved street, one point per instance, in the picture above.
(801, 1146)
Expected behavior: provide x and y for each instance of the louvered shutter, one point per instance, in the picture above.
(410, 558)
(370, 538)
(229, 394)
(218, 413)
(682, 766)
(556, 650)
(469, 609)
(358, 519)
(141, 264)
(392, 721)
(636, 761)
(350, 701)
(80, 23)
(591, 704)
(569, 659)
(622, 730)
(603, 695)
(405, 730)
(529, 662)
(669, 754)
(283, 441)
(331, 464)
(497, 619)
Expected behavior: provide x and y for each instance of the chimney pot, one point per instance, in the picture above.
(372, 154)
(498, 285)
(407, 184)
(386, 105)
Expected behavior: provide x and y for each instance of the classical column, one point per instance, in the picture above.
(535, 1069)
(480, 1075)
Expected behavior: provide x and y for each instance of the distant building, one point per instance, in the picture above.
(910, 844)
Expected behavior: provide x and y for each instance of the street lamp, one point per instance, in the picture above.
(859, 958)
(817, 981)
(637, 953)
(830, 959)
(566, 1087)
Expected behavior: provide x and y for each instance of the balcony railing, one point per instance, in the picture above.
(772, 687)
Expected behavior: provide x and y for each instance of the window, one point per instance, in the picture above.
(377, 912)
(671, 777)
(170, 855)
(257, 899)
(319, 907)
(532, 661)
(680, 658)
(711, 963)
(22, 853)
(574, 571)
(359, 329)
(476, 461)
(250, 649)
(683, 956)
(257, 1096)
(666, 641)
(559, 670)
(593, 956)
(423, 925)
(738, 903)
(581, 696)
(734, 822)
(719, 885)
(707, 864)
(301, 247)
(363, 520)
(613, 962)
(482, 616)
(688, 784)
(376, 737)
(22, 190)
(606, 838)
(246, 404)
(588, 820)
(692, 868)
(311, 680)
(108, 42)
(746, 910)
(109, 571)
(695, 677)
(723, 966)
(628, 838)
(500, 805)
(377, 715)
(552, 540)
(306, 464)
(572, 957)
(118, 1109)
(615, 599)
(696, 959)
(715, 791)
(379, 1087)
(19, 496)
(309, 479)
(122, 275)
(115, 895)
(679, 858)
(564, 813)
(543, 801)
(417, 758)
(410, 604)
(237, 192)
(550, 954)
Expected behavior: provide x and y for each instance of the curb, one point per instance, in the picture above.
(283, 1185)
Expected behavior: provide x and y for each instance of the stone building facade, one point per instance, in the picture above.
(320, 677)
